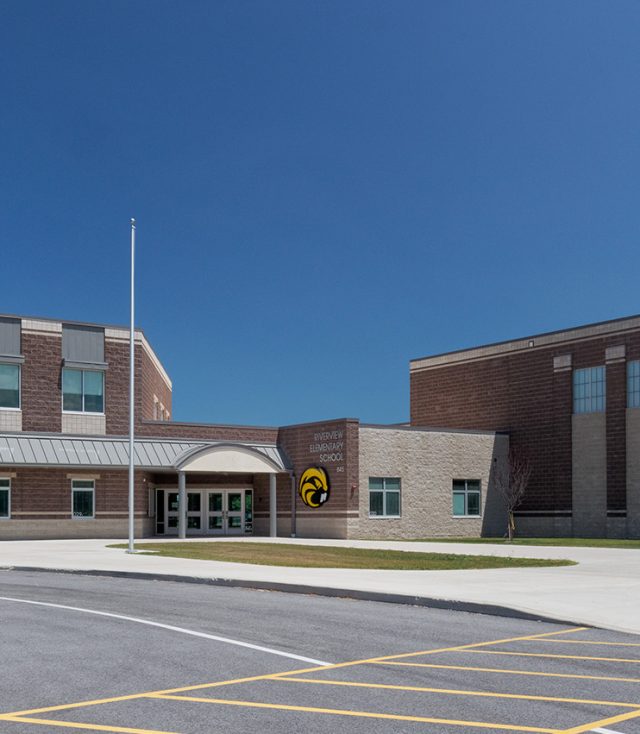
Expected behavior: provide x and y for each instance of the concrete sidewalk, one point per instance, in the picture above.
(603, 590)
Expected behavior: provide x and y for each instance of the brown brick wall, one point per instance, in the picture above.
(41, 383)
(521, 394)
(116, 388)
(148, 383)
(49, 490)
(207, 432)
(616, 436)
(151, 383)
(299, 442)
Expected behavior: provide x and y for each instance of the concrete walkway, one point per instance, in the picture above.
(603, 590)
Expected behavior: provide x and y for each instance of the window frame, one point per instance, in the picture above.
(19, 367)
(82, 393)
(385, 491)
(579, 403)
(84, 489)
(465, 493)
(633, 395)
(6, 489)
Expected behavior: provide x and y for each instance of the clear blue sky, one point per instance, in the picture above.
(323, 190)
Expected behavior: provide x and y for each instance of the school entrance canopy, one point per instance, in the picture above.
(158, 455)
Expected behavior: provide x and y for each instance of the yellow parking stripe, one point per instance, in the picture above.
(201, 686)
(78, 725)
(514, 672)
(603, 722)
(358, 714)
(549, 655)
(469, 647)
(593, 642)
(457, 692)
(133, 696)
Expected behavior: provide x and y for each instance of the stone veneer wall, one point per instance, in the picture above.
(427, 462)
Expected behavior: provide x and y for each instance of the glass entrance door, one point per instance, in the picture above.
(227, 512)
(209, 512)
(235, 512)
(171, 513)
(215, 513)
(194, 513)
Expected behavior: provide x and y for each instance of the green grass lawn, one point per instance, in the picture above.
(309, 556)
(569, 542)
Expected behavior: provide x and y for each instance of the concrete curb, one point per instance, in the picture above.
(494, 610)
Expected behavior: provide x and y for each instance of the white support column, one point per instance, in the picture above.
(182, 504)
(273, 507)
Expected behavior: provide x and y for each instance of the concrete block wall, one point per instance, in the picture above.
(427, 462)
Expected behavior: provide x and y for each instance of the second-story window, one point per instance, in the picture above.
(589, 390)
(83, 391)
(9, 386)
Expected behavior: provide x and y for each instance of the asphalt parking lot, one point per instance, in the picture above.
(222, 660)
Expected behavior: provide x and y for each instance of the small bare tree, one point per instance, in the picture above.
(511, 479)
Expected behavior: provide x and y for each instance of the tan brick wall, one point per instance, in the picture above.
(427, 462)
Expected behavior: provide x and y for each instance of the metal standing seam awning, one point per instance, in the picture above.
(39, 451)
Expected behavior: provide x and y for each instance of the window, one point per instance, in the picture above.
(9, 386)
(384, 497)
(466, 497)
(5, 499)
(589, 390)
(633, 385)
(83, 391)
(82, 504)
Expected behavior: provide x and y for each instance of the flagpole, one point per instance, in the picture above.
(131, 548)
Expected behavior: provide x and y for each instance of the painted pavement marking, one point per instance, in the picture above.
(79, 725)
(593, 642)
(358, 714)
(173, 693)
(169, 627)
(456, 692)
(593, 725)
(315, 668)
(512, 672)
(550, 655)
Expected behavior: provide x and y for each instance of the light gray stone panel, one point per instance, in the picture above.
(633, 472)
(427, 462)
(589, 465)
(85, 423)
(10, 420)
